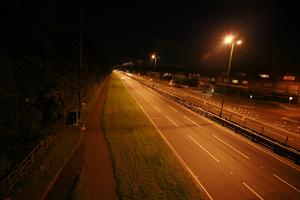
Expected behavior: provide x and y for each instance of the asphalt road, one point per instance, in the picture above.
(266, 125)
(225, 165)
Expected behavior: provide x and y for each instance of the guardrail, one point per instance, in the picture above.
(16, 175)
(277, 147)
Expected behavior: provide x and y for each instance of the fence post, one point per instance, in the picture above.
(287, 137)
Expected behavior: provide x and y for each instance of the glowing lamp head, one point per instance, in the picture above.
(228, 39)
(239, 42)
(153, 56)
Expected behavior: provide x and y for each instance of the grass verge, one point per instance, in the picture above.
(144, 166)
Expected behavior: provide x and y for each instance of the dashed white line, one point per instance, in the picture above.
(248, 142)
(249, 188)
(156, 108)
(191, 121)
(172, 108)
(204, 149)
(286, 183)
(231, 147)
(171, 121)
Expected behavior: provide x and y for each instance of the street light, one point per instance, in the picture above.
(250, 98)
(230, 40)
(290, 99)
(154, 57)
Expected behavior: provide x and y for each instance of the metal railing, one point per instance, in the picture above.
(23, 168)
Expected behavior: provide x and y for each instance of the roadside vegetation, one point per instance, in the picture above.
(47, 165)
(40, 77)
(144, 166)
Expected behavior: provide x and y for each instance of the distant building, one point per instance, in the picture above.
(263, 85)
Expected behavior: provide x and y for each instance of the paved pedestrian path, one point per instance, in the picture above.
(98, 176)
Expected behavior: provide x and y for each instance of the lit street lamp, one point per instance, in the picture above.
(290, 99)
(231, 41)
(250, 98)
(154, 57)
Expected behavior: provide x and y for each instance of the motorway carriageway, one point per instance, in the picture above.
(260, 126)
(224, 165)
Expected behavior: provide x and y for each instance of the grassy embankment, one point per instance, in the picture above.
(144, 166)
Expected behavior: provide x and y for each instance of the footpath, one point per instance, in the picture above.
(98, 179)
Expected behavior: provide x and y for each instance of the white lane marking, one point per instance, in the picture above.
(156, 108)
(261, 149)
(171, 147)
(191, 121)
(286, 183)
(231, 147)
(244, 140)
(204, 149)
(238, 136)
(247, 186)
(171, 121)
(172, 108)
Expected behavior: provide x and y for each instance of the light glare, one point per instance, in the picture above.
(228, 39)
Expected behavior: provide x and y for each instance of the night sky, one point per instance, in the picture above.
(190, 33)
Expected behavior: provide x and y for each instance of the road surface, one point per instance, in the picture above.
(267, 124)
(224, 164)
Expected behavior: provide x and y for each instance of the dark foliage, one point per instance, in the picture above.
(40, 76)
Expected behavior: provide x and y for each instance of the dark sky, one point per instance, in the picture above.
(190, 33)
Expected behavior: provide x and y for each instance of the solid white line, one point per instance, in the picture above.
(286, 183)
(231, 147)
(173, 108)
(252, 191)
(171, 147)
(156, 108)
(171, 121)
(191, 121)
(203, 148)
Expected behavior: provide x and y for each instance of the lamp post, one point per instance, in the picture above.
(290, 99)
(250, 98)
(231, 41)
(154, 58)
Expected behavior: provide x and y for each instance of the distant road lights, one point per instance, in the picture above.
(290, 99)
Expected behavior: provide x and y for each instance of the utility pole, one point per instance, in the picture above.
(80, 67)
